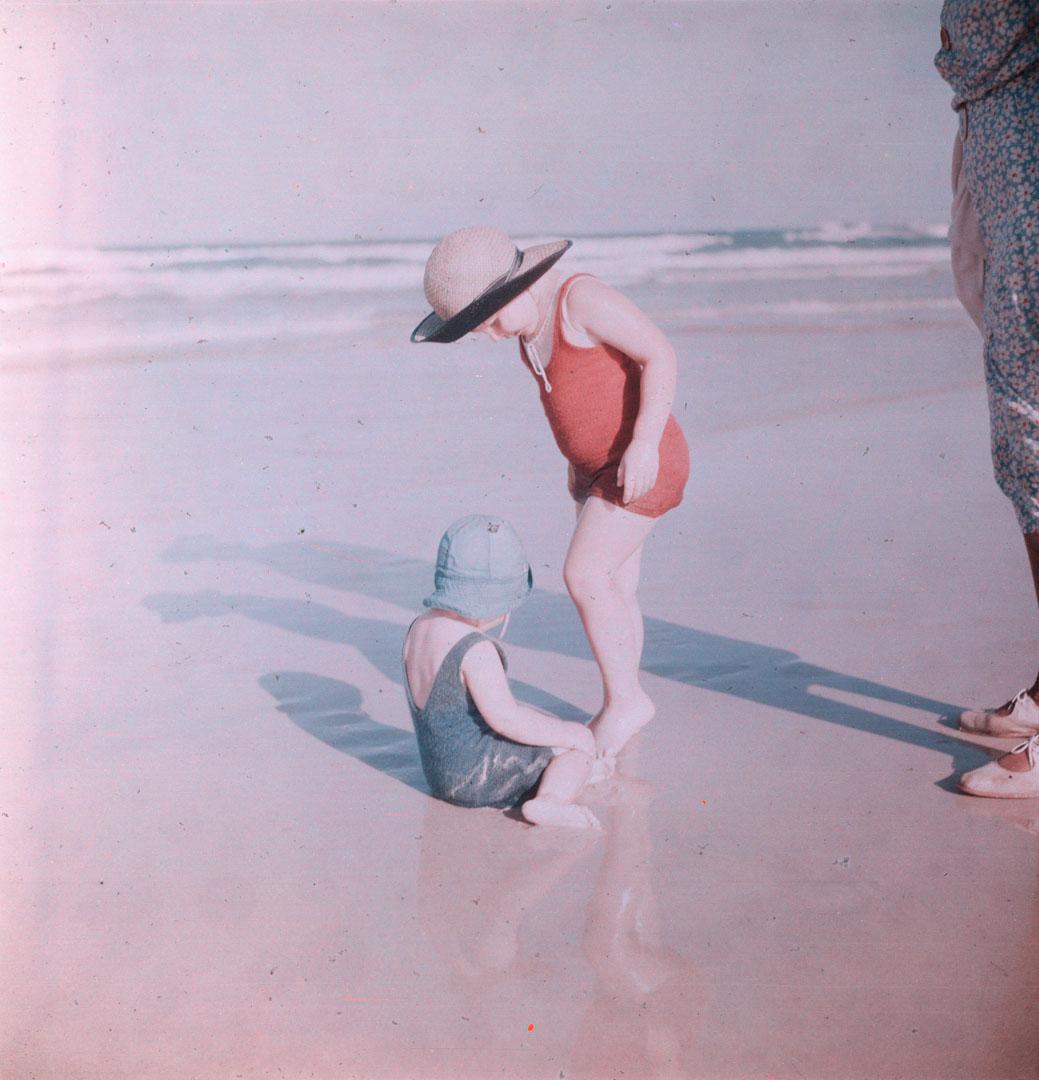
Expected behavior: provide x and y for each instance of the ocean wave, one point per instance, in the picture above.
(240, 282)
(56, 277)
(841, 232)
(803, 310)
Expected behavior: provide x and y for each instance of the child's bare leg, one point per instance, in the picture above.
(562, 779)
(627, 578)
(603, 588)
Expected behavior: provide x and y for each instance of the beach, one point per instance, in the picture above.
(226, 471)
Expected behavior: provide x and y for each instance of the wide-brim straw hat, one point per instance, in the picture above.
(475, 272)
(482, 571)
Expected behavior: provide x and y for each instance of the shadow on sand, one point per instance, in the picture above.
(331, 710)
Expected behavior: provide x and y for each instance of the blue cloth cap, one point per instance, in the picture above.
(482, 570)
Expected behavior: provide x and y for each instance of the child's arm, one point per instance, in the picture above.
(610, 318)
(485, 679)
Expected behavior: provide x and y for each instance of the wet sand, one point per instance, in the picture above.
(219, 859)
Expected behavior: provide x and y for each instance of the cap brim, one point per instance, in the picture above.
(434, 328)
(481, 600)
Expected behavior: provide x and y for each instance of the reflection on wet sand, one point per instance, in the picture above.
(607, 996)
(648, 1001)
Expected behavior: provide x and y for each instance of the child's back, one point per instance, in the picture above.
(465, 761)
(428, 642)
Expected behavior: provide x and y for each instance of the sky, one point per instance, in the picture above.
(175, 123)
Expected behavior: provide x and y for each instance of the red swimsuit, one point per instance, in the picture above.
(592, 409)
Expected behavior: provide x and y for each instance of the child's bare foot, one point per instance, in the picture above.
(618, 722)
(542, 811)
(602, 769)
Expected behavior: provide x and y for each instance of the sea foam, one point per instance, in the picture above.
(135, 297)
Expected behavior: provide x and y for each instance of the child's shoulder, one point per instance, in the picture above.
(433, 632)
(433, 635)
(588, 297)
(484, 666)
(586, 290)
(598, 310)
(485, 653)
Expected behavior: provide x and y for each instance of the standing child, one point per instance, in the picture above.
(607, 384)
(479, 746)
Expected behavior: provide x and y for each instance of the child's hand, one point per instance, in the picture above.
(637, 472)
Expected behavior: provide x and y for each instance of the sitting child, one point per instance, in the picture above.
(479, 746)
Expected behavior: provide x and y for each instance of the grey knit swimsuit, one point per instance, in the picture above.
(465, 761)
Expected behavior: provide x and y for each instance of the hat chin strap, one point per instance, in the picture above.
(517, 261)
(530, 347)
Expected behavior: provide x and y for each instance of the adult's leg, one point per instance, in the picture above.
(1019, 762)
(1008, 244)
(994, 233)
(1013, 375)
(1032, 545)
(606, 538)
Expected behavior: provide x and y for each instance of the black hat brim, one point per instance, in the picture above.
(434, 328)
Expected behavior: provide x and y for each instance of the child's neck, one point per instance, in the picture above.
(544, 292)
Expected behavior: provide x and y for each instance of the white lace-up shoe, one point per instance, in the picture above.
(996, 782)
(1018, 718)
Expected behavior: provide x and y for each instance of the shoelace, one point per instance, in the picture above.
(1029, 747)
(1013, 703)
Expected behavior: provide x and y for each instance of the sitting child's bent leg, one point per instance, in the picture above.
(563, 778)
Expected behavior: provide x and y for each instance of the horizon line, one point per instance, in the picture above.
(358, 240)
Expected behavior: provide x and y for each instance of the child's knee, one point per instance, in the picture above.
(584, 579)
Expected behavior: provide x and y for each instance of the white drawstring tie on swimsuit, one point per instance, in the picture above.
(535, 362)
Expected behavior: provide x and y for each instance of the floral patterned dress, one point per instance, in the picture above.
(990, 57)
